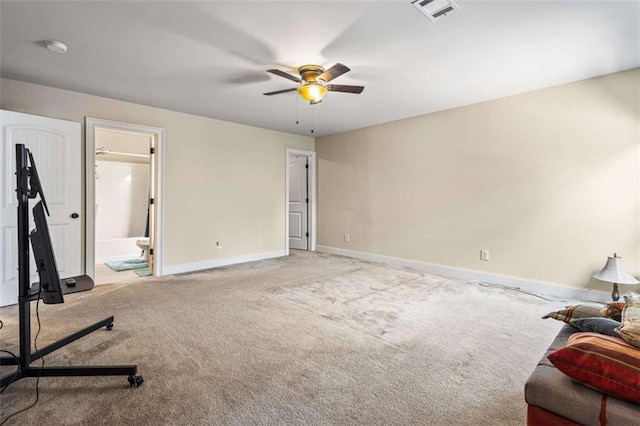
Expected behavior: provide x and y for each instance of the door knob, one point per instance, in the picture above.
(75, 215)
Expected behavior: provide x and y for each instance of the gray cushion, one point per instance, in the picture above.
(597, 325)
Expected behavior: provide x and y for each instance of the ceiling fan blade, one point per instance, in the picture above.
(277, 92)
(285, 75)
(335, 71)
(344, 88)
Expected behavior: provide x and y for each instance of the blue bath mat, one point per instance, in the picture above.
(127, 265)
(143, 272)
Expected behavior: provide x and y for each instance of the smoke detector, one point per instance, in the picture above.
(56, 46)
(435, 9)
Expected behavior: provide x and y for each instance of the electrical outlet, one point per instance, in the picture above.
(484, 255)
(218, 245)
(347, 237)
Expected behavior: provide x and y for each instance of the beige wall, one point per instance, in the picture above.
(223, 181)
(548, 181)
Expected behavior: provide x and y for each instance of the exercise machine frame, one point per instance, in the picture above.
(26, 188)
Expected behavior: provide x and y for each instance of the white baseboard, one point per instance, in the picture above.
(216, 263)
(540, 287)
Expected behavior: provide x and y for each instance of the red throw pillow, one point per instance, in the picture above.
(607, 364)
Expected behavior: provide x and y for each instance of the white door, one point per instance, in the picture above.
(298, 202)
(55, 145)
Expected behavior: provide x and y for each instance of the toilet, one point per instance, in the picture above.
(143, 243)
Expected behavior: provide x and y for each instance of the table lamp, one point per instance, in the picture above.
(615, 272)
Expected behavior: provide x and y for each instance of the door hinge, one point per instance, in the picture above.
(306, 200)
(307, 235)
(306, 166)
(152, 150)
(151, 201)
(151, 251)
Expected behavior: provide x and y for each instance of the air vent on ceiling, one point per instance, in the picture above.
(435, 9)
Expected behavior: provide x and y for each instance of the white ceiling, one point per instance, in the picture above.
(209, 58)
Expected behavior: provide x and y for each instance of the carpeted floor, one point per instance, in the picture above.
(308, 339)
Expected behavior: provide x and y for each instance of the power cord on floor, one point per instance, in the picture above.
(14, 357)
(17, 369)
(519, 290)
(35, 345)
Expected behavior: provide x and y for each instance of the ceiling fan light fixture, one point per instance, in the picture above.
(313, 80)
(312, 92)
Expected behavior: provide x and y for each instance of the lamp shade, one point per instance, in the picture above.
(615, 272)
(312, 91)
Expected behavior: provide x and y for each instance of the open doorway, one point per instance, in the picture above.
(300, 222)
(122, 203)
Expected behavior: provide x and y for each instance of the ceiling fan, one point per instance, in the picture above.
(314, 79)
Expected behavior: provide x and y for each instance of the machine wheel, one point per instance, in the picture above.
(135, 381)
(109, 326)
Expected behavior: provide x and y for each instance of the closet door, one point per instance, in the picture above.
(55, 145)
(298, 202)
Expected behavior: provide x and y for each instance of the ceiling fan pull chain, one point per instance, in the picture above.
(297, 109)
(312, 122)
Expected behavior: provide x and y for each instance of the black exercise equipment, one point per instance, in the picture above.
(51, 291)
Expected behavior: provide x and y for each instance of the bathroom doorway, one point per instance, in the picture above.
(122, 201)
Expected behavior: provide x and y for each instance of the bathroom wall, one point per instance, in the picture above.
(116, 140)
(122, 193)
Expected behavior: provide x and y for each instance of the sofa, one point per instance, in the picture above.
(553, 398)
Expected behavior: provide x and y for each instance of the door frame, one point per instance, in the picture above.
(90, 195)
(311, 155)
